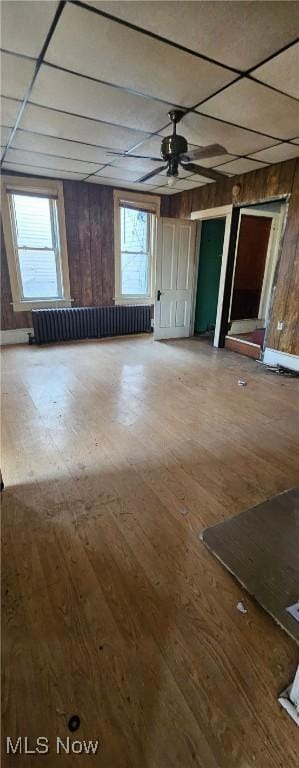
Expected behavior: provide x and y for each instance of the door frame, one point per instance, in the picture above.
(222, 212)
(270, 263)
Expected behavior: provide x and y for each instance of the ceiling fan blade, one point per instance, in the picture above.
(208, 172)
(140, 157)
(152, 173)
(212, 150)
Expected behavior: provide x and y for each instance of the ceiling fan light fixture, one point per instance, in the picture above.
(174, 152)
(172, 180)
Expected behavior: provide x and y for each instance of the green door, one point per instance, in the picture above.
(210, 256)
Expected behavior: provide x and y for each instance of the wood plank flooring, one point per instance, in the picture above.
(116, 454)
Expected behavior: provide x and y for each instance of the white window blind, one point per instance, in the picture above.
(135, 252)
(36, 243)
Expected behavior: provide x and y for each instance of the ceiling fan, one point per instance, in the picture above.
(174, 151)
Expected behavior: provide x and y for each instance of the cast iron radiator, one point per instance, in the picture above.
(89, 322)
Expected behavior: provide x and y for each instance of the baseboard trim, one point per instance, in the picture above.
(275, 357)
(15, 336)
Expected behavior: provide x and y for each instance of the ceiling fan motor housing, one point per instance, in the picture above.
(172, 146)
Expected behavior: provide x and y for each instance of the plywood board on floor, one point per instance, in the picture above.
(261, 548)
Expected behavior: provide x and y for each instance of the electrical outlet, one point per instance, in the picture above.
(280, 325)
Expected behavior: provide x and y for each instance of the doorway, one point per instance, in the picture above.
(219, 245)
(254, 238)
(209, 269)
(256, 255)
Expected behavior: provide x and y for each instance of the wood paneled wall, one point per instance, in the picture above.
(258, 186)
(89, 219)
(285, 304)
(89, 214)
(90, 236)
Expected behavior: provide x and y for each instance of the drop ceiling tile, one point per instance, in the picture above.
(132, 164)
(282, 71)
(49, 161)
(96, 46)
(241, 165)
(216, 29)
(65, 91)
(36, 142)
(195, 181)
(148, 189)
(9, 111)
(157, 180)
(166, 190)
(277, 154)
(4, 135)
(64, 126)
(150, 147)
(121, 176)
(145, 166)
(110, 172)
(161, 178)
(118, 183)
(257, 107)
(181, 184)
(95, 179)
(33, 170)
(210, 162)
(127, 174)
(201, 130)
(25, 25)
(16, 75)
(183, 174)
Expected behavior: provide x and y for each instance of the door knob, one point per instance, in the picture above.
(159, 294)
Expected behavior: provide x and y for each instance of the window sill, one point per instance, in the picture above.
(134, 300)
(27, 306)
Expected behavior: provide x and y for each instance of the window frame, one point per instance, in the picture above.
(150, 204)
(53, 188)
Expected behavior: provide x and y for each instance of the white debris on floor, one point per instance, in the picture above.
(241, 607)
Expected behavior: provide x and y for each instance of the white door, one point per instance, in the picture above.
(174, 277)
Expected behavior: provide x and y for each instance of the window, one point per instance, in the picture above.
(37, 261)
(135, 267)
(36, 241)
(135, 228)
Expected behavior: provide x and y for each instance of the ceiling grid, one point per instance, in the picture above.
(82, 81)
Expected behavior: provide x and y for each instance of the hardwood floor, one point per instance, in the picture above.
(116, 455)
